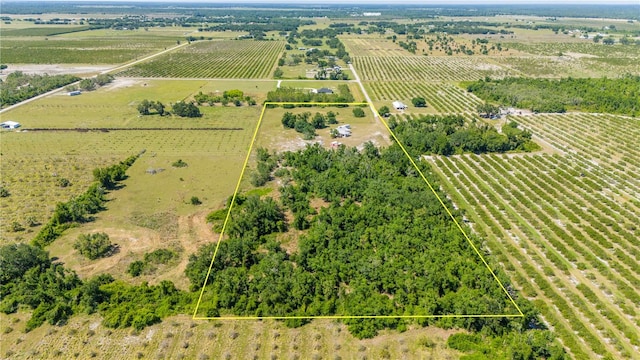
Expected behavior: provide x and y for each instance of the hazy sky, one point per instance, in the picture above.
(426, 2)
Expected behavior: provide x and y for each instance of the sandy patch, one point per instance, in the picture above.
(122, 83)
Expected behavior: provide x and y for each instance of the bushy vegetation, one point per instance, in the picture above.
(304, 123)
(30, 279)
(531, 345)
(151, 261)
(80, 208)
(450, 134)
(229, 96)
(18, 86)
(94, 246)
(287, 94)
(379, 247)
(615, 96)
(145, 107)
(90, 84)
(184, 109)
(266, 163)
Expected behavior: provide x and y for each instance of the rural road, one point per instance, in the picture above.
(364, 92)
(102, 72)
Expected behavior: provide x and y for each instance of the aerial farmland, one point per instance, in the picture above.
(298, 181)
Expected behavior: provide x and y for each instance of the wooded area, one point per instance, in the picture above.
(381, 244)
(450, 134)
(602, 95)
(18, 86)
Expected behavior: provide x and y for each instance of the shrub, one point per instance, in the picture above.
(179, 163)
(94, 246)
(195, 200)
(136, 268)
(358, 112)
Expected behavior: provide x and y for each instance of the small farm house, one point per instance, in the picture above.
(9, 125)
(398, 105)
(344, 130)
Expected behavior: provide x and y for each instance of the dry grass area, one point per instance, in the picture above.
(180, 337)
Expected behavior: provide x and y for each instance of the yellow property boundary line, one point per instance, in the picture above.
(233, 199)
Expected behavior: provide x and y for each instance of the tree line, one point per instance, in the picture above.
(19, 86)
(289, 94)
(604, 95)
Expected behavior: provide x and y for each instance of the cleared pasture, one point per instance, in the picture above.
(213, 59)
(34, 161)
(565, 225)
(115, 105)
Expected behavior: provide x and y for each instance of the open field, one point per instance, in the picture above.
(33, 162)
(115, 105)
(213, 59)
(565, 225)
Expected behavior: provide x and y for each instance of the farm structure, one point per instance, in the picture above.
(344, 130)
(75, 93)
(323, 90)
(398, 105)
(10, 125)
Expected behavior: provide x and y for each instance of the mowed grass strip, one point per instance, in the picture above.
(213, 59)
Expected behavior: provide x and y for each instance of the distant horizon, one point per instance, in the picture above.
(363, 2)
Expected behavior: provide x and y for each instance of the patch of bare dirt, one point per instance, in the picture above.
(194, 231)
(122, 83)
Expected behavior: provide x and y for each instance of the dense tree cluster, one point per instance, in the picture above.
(145, 107)
(382, 245)
(615, 96)
(30, 279)
(305, 124)
(17, 86)
(531, 345)
(184, 109)
(447, 135)
(288, 94)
